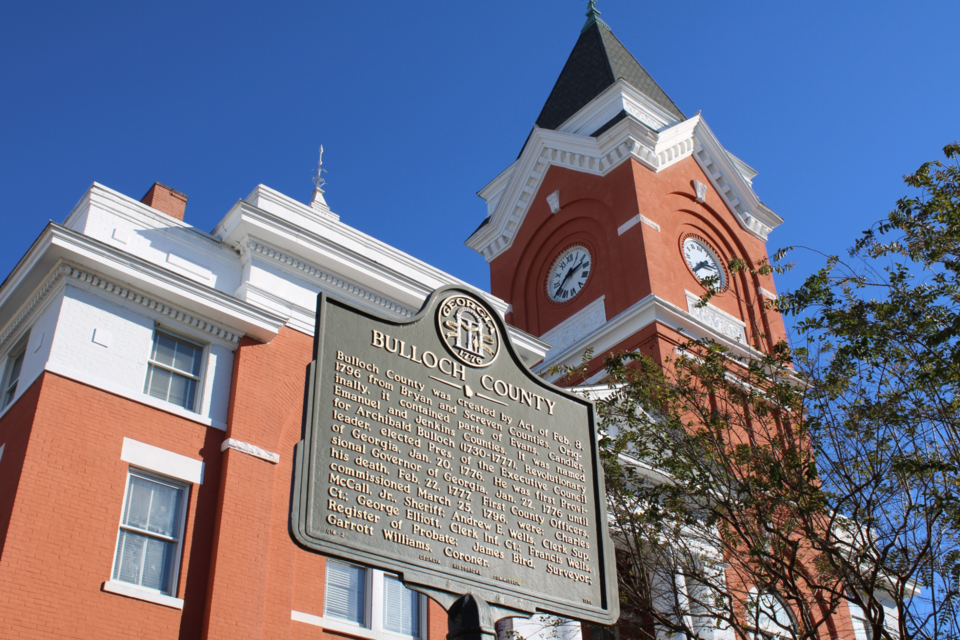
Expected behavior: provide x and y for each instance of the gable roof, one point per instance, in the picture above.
(597, 61)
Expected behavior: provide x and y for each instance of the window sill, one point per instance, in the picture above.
(346, 628)
(133, 591)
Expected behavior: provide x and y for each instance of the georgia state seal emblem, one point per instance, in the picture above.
(468, 331)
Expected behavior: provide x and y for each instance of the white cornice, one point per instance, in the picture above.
(509, 195)
(645, 312)
(726, 174)
(167, 293)
(328, 280)
(336, 248)
(620, 96)
(136, 212)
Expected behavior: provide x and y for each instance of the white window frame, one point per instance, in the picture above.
(175, 570)
(372, 626)
(20, 350)
(169, 467)
(199, 378)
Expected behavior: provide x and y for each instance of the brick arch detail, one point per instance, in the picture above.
(584, 223)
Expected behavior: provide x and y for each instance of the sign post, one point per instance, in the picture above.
(431, 451)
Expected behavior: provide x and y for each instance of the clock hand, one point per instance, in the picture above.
(567, 277)
(700, 265)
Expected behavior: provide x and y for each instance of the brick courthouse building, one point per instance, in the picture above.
(153, 373)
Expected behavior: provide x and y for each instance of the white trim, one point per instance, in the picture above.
(643, 313)
(133, 591)
(308, 618)
(105, 267)
(250, 450)
(161, 461)
(93, 380)
(727, 324)
(629, 224)
(297, 230)
(575, 327)
(650, 223)
(293, 264)
(2, 447)
(358, 631)
(510, 194)
(620, 96)
(766, 294)
(205, 327)
(372, 627)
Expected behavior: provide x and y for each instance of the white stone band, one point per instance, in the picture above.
(250, 450)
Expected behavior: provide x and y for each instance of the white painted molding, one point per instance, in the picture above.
(620, 96)
(133, 591)
(121, 235)
(327, 278)
(168, 311)
(554, 201)
(162, 461)
(629, 224)
(575, 327)
(650, 223)
(106, 267)
(250, 450)
(514, 189)
(719, 320)
(766, 294)
(26, 311)
(701, 191)
(307, 618)
(293, 228)
(342, 627)
(643, 313)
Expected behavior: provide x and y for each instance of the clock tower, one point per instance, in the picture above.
(618, 216)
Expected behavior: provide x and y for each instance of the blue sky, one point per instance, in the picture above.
(420, 104)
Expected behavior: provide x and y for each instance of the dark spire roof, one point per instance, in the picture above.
(596, 62)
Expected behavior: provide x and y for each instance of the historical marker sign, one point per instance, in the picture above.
(430, 450)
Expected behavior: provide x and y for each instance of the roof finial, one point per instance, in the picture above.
(318, 181)
(593, 16)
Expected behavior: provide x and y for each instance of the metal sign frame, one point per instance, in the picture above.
(471, 352)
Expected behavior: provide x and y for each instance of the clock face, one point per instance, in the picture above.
(704, 263)
(569, 273)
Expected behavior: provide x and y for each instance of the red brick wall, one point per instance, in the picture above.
(59, 543)
(631, 266)
(15, 428)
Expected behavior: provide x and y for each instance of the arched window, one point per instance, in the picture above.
(769, 617)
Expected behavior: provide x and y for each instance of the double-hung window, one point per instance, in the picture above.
(376, 602)
(346, 593)
(12, 374)
(151, 532)
(401, 608)
(173, 374)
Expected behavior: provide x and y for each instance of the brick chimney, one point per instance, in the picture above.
(167, 200)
